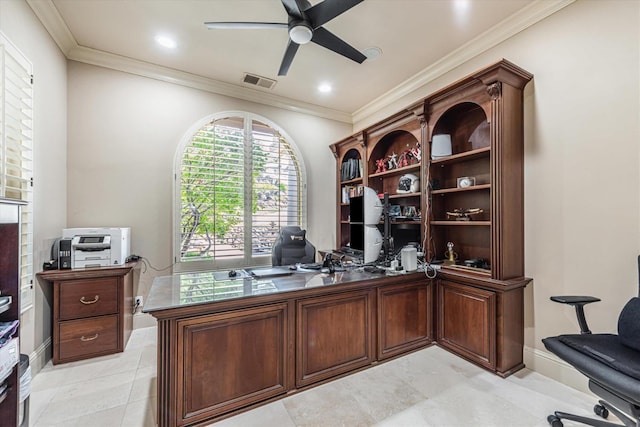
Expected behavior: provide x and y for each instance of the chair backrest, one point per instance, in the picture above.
(629, 324)
(292, 247)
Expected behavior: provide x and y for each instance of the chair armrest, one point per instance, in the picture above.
(578, 301)
(574, 299)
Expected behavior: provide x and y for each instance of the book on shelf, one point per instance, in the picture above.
(351, 169)
(349, 191)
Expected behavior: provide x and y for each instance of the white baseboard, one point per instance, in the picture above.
(40, 356)
(549, 365)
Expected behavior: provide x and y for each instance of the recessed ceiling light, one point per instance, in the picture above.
(324, 88)
(372, 53)
(167, 42)
(461, 6)
(461, 12)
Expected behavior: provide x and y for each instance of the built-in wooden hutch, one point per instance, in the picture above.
(471, 206)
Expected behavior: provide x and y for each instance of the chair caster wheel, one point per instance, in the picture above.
(554, 421)
(601, 411)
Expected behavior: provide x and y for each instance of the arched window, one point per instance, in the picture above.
(239, 179)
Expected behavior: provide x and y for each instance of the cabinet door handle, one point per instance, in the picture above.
(95, 300)
(85, 339)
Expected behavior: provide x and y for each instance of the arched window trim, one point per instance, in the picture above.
(248, 260)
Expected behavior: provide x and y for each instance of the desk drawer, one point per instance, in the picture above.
(88, 298)
(79, 338)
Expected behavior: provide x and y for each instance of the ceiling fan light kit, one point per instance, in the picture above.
(305, 25)
(301, 34)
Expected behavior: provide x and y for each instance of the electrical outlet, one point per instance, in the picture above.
(139, 301)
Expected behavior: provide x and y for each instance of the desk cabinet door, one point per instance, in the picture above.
(467, 321)
(230, 360)
(334, 335)
(404, 318)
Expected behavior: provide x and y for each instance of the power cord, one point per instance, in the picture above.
(135, 306)
(147, 265)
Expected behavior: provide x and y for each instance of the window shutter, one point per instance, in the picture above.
(276, 194)
(240, 182)
(213, 191)
(16, 150)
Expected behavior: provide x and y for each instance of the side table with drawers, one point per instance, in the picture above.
(92, 311)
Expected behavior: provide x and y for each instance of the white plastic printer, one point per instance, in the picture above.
(98, 247)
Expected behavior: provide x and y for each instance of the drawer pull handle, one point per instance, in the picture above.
(84, 339)
(95, 300)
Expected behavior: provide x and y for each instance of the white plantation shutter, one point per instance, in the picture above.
(239, 182)
(276, 190)
(16, 150)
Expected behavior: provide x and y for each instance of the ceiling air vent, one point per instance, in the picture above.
(254, 80)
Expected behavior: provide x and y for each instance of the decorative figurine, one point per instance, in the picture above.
(416, 153)
(403, 160)
(464, 214)
(393, 161)
(450, 254)
(382, 166)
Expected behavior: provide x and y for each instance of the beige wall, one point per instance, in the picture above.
(582, 140)
(24, 30)
(123, 134)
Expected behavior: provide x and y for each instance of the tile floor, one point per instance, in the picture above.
(430, 387)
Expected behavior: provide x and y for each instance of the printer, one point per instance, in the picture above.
(98, 247)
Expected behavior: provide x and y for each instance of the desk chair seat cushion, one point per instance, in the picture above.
(608, 349)
(602, 358)
(629, 324)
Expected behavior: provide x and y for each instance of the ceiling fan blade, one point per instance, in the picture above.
(292, 8)
(243, 25)
(324, 12)
(292, 48)
(327, 39)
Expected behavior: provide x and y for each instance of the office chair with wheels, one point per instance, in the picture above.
(610, 361)
(292, 247)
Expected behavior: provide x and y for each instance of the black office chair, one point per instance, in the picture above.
(292, 247)
(611, 362)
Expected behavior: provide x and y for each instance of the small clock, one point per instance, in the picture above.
(466, 181)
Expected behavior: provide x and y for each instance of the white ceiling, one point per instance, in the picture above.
(414, 36)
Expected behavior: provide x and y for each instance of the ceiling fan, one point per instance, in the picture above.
(305, 25)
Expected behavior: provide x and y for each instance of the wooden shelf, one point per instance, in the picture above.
(458, 190)
(462, 157)
(461, 223)
(464, 268)
(398, 196)
(398, 171)
(351, 181)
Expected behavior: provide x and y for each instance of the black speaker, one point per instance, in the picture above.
(64, 254)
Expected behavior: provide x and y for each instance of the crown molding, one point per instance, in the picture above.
(504, 30)
(47, 13)
(50, 18)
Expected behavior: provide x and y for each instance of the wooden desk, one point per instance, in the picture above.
(229, 344)
(92, 311)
